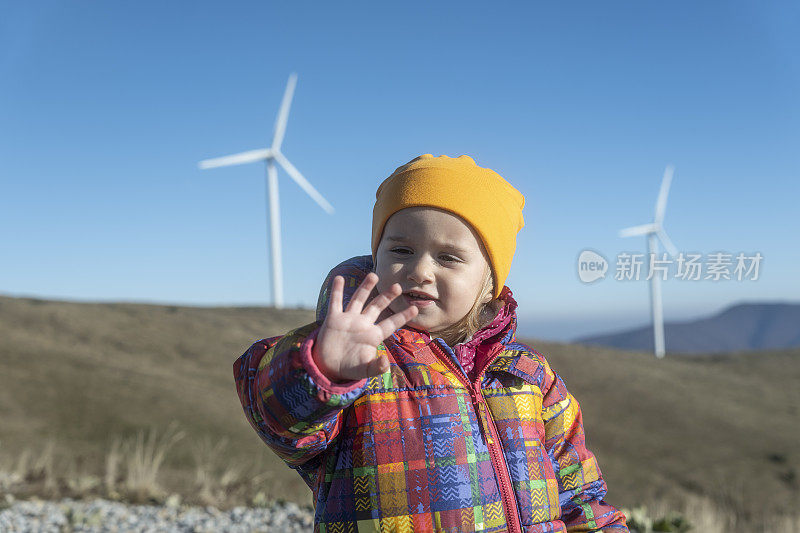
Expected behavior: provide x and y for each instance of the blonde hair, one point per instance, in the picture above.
(479, 316)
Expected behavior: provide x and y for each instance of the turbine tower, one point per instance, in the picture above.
(271, 155)
(655, 232)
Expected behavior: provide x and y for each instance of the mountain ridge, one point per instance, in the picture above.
(745, 326)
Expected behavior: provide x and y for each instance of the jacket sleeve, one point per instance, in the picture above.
(295, 409)
(580, 482)
(292, 406)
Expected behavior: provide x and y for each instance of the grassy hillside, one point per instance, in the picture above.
(722, 426)
(80, 375)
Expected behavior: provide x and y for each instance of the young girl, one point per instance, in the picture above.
(408, 405)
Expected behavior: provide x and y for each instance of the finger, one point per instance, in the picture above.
(378, 366)
(362, 293)
(382, 301)
(391, 324)
(335, 296)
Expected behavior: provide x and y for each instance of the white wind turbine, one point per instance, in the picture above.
(652, 231)
(271, 155)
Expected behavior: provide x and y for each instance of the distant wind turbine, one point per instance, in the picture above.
(271, 155)
(652, 231)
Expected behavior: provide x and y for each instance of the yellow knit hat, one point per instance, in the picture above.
(478, 195)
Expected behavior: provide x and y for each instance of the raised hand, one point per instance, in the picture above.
(347, 344)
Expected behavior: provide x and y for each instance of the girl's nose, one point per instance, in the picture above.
(420, 271)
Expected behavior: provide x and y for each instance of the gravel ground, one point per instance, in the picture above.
(107, 516)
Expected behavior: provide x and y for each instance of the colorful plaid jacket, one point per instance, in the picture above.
(425, 447)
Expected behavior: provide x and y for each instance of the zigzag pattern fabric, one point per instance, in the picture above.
(422, 447)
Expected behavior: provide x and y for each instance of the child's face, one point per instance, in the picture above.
(434, 252)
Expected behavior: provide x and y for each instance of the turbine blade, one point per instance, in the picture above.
(303, 183)
(661, 203)
(644, 229)
(667, 242)
(283, 113)
(236, 159)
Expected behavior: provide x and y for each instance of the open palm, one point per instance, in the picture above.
(347, 343)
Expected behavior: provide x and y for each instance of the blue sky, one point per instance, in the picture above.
(106, 108)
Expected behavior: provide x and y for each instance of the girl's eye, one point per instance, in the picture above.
(446, 258)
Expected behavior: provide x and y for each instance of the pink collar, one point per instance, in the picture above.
(474, 352)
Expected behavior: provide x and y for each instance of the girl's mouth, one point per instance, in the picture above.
(419, 301)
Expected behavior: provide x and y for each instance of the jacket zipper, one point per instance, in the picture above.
(492, 437)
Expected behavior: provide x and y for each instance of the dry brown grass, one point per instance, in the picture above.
(43, 468)
(134, 473)
(705, 515)
(138, 479)
(143, 460)
(205, 456)
(217, 480)
(111, 477)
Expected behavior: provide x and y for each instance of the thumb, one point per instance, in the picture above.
(378, 366)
